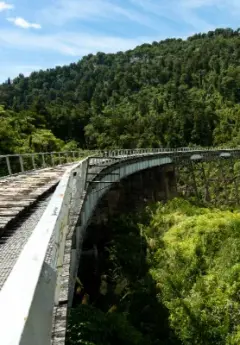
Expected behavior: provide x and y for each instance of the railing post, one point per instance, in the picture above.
(60, 158)
(8, 165)
(43, 160)
(21, 163)
(33, 162)
(52, 159)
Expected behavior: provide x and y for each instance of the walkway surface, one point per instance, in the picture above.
(17, 193)
(23, 199)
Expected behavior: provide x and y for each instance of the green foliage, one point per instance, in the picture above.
(89, 326)
(130, 312)
(173, 275)
(70, 146)
(171, 93)
(195, 262)
(18, 134)
(43, 140)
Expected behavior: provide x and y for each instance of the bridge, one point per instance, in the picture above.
(47, 201)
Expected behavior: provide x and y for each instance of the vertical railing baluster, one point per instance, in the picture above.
(33, 162)
(8, 165)
(66, 157)
(43, 160)
(52, 159)
(21, 163)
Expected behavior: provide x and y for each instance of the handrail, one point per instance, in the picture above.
(14, 164)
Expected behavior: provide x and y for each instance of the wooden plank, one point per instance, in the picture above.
(19, 192)
(11, 211)
(17, 203)
(5, 220)
(15, 197)
(16, 190)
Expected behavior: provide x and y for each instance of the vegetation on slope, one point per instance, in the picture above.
(171, 276)
(28, 132)
(170, 93)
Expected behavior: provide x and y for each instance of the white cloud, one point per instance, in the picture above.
(93, 10)
(68, 43)
(4, 6)
(221, 4)
(200, 3)
(178, 11)
(22, 23)
(188, 12)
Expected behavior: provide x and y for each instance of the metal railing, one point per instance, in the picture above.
(141, 151)
(32, 289)
(22, 163)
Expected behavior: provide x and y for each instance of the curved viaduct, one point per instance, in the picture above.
(39, 290)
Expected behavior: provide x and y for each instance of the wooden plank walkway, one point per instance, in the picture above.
(18, 193)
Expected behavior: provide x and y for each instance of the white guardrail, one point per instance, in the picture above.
(32, 288)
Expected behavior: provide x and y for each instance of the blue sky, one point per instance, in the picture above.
(40, 34)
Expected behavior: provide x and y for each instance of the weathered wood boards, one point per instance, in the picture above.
(18, 193)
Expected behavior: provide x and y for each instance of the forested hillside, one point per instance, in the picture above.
(170, 93)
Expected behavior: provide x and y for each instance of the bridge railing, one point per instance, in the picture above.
(128, 152)
(21, 163)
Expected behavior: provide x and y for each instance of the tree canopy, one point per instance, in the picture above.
(171, 277)
(171, 93)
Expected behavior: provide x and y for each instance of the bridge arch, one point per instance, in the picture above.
(97, 187)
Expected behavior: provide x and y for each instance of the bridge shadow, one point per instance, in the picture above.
(115, 272)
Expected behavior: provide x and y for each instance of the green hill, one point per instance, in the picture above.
(170, 93)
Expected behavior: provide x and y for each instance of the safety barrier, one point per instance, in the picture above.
(23, 163)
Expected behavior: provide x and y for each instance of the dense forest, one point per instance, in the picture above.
(170, 276)
(170, 93)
